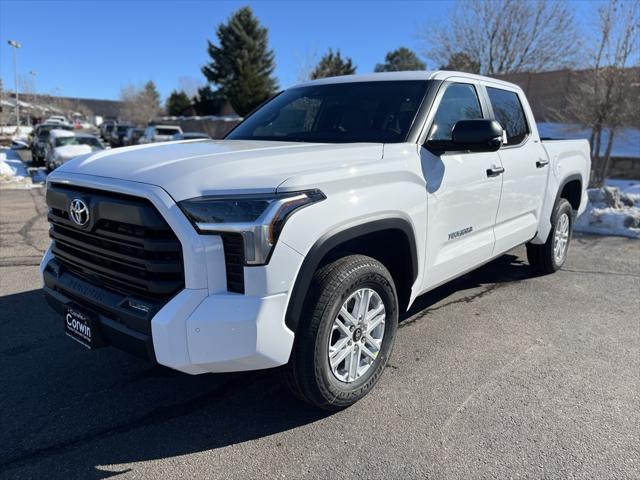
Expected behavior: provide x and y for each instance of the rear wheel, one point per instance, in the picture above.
(550, 256)
(346, 334)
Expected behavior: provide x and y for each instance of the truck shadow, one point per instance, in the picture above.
(504, 269)
(62, 405)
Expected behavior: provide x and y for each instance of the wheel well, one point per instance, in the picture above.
(390, 247)
(572, 192)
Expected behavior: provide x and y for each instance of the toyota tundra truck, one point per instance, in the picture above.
(299, 239)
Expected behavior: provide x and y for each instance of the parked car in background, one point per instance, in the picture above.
(132, 136)
(40, 138)
(64, 145)
(159, 133)
(59, 119)
(80, 124)
(117, 134)
(106, 128)
(191, 136)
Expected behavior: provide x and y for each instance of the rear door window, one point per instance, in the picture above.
(508, 111)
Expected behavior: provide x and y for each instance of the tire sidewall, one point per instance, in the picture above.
(562, 207)
(348, 393)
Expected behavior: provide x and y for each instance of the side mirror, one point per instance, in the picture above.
(477, 135)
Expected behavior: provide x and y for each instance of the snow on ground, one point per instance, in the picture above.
(13, 172)
(11, 165)
(11, 130)
(612, 210)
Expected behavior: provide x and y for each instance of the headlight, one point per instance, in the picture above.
(258, 218)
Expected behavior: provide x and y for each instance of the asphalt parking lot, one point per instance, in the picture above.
(498, 374)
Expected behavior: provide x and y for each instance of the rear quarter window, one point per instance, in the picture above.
(508, 110)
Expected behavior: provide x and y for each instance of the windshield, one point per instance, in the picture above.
(91, 141)
(43, 130)
(380, 112)
(167, 131)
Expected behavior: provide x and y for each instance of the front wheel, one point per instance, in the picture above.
(346, 334)
(550, 256)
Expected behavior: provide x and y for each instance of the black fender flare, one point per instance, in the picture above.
(328, 242)
(570, 178)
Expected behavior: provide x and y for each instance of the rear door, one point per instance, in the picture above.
(525, 169)
(462, 194)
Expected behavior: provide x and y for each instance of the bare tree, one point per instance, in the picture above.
(140, 105)
(505, 36)
(603, 100)
(27, 86)
(306, 62)
(4, 112)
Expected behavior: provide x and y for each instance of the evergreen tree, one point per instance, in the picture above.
(208, 101)
(401, 60)
(333, 65)
(242, 65)
(177, 103)
(151, 97)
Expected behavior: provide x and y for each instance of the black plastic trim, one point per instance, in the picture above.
(233, 246)
(122, 328)
(332, 240)
(420, 120)
(570, 178)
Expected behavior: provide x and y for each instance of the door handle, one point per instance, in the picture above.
(542, 162)
(495, 171)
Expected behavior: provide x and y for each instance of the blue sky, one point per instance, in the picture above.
(94, 48)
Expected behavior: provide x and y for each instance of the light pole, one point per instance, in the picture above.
(15, 45)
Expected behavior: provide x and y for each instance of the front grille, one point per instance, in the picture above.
(126, 246)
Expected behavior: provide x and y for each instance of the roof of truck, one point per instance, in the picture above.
(399, 76)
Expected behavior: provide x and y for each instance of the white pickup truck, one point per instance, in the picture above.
(300, 238)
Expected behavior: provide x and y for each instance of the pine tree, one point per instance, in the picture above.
(242, 65)
(177, 103)
(208, 101)
(401, 60)
(333, 65)
(151, 97)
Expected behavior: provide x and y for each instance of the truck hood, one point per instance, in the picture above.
(194, 168)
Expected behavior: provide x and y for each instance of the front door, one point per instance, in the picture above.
(463, 192)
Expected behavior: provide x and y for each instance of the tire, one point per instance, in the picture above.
(309, 374)
(543, 258)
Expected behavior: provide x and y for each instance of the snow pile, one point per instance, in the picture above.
(19, 142)
(13, 130)
(11, 167)
(6, 170)
(612, 210)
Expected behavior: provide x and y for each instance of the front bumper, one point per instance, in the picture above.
(204, 328)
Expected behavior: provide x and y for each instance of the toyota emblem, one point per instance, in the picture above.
(79, 212)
